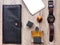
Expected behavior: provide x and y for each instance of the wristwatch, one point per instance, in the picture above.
(51, 20)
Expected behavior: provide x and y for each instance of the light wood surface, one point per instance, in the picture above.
(26, 32)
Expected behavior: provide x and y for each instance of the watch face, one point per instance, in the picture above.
(51, 19)
(12, 24)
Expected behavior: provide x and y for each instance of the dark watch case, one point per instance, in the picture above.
(51, 19)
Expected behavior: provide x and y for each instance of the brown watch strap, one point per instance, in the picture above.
(51, 27)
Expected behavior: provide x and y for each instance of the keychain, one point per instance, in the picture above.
(37, 36)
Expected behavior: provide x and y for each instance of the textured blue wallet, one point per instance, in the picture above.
(12, 24)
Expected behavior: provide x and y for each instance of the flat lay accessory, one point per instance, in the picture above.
(29, 24)
(37, 36)
(12, 24)
(39, 19)
(51, 19)
(34, 5)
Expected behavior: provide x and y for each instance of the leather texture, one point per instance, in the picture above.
(12, 24)
(51, 26)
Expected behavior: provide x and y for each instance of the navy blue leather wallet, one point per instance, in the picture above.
(12, 24)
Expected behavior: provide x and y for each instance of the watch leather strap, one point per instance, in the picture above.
(51, 27)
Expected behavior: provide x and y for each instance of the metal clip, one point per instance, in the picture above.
(51, 6)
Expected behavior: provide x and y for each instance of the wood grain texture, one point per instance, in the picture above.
(1, 2)
(26, 32)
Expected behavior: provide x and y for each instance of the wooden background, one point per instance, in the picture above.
(26, 32)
